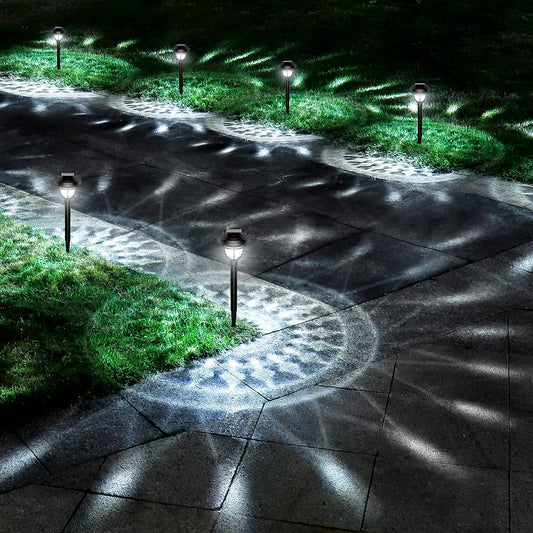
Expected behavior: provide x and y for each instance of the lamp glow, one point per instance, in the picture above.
(180, 50)
(59, 33)
(287, 69)
(233, 242)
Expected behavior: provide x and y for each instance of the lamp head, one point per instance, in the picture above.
(234, 242)
(420, 91)
(58, 33)
(181, 51)
(287, 68)
(67, 183)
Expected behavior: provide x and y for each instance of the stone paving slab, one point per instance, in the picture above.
(521, 442)
(433, 308)
(320, 417)
(372, 377)
(233, 523)
(76, 478)
(86, 431)
(37, 509)
(202, 396)
(521, 501)
(360, 268)
(467, 385)
(463, 225)
(142, 194)
(429, 496)
(276, 233)
(304, 485)
(190, 469)
(18, 465)
(481, 346)
(520, 329)
(99, 513)
(426, 427)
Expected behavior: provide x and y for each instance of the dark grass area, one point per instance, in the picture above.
(356, 62)
(74, 325)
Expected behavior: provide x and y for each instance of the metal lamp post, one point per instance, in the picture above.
(59, 33)
(287, 69)
(419, 91)
(181, 51)
(233, 242)
(67, 184)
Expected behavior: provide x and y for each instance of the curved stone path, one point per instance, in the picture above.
(394, 362)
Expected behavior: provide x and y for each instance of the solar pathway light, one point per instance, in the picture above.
(419, 91)
(181, 51)
(58, 33)
(67, 184)
(233, 242)
(287, 69)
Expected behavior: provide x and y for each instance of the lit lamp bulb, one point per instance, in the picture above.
(59, 33)
(420, 91)
(180, 50)
(233, 242)
(67, 185)
(287, 68)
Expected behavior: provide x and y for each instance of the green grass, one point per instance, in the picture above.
(74, 325)
(352, 82)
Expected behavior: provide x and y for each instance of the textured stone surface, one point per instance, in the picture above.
(304, 485)
(87, 431)
(436, 497)
(426, 427)
(190, 469)
(37, 509)
(121, 515)
(201, 396)
(321, 417)
(18, 465)
(232, 523)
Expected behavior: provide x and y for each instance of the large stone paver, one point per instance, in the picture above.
(521, 502)
(37, 509)
(233, 523)
(18, 465)
(360, 268)
(425, 427)
(190, 469)
(99, 513)
(304, 485)
(374, 376)
(322, 417)
(436, 497)
(87, 431)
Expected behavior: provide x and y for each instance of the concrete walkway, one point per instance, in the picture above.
(391, 388)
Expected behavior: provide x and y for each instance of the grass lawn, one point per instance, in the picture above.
(356, 61)
(74, 325)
